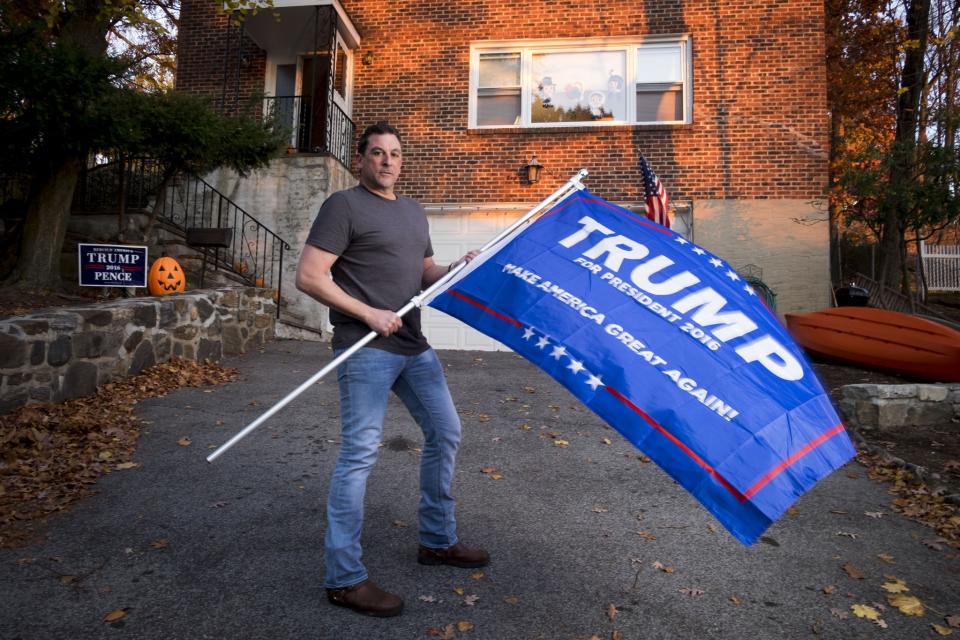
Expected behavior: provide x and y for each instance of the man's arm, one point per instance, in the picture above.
(433, 272)
(314, 280)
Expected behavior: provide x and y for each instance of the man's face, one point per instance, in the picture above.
(380, 163)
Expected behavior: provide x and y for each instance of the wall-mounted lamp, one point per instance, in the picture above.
(367, 58)
(532, 170)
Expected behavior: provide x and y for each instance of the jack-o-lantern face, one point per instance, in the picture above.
(166, 277)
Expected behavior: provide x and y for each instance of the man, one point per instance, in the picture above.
(376, 245)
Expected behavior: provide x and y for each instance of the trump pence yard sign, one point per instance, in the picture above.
(112, 265)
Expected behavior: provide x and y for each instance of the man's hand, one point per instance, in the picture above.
(470, 255)
(382, 321)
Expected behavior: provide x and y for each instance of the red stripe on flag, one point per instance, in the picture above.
(481, 306)
(687, 450)
(777, 470)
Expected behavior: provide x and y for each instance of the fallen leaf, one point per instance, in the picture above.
(458, 591)
(495, 476)
(881, 623)
(160, 544)
(561, 443)
(829, 589)
(483, 417)
(599, 509)
(471, 600)
(606, 441)
(847, 534)
(644, 459)
(184, 442)
(953, 621)
(908, 605)
(512, 600)
(839, 512)
(865, 611)
(839, 613)
(400, 524)
(691, 591)
(127, 465)
(712, 528)
(873, 514)
(646, 535)
(853, 572)
(427, 599)
(894, 587)
(616, 635)
(477, 575)
(662, 567)
(944, 631)
(936, 544)
(735, 600)
(463, 626)
(116, 614)
(218, 505)
(68, 580)
(886, 557)
(611, 612)
(792, 511)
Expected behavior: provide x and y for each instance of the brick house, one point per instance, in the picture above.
(726, 100)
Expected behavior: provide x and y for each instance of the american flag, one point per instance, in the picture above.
(655, 194)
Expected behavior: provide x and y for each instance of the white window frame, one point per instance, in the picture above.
(630, 45)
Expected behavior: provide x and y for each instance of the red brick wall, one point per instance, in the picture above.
(202, 41)
(760, 123)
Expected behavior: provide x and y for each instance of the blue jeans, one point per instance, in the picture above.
(366, 379)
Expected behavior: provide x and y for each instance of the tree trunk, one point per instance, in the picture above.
(903, 168)
(54, 181)
(48, 213)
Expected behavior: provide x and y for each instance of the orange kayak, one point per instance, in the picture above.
(879, 339)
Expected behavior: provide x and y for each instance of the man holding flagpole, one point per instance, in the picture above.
(375, 244)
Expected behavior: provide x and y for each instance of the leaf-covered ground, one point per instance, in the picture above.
(51, 455)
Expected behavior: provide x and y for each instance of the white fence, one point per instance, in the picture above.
(941, 265)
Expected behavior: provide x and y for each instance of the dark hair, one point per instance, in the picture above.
(379, 128)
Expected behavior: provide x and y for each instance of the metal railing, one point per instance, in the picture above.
(255, 252)
(332, 134)
(99, 187)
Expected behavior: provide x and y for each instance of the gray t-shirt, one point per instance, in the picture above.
(381, 245)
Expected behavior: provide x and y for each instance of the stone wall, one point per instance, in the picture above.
(884, 407)
(64, 353)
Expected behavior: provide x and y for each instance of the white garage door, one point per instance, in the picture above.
(453, 235)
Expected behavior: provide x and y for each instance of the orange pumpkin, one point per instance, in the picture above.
(166, 277)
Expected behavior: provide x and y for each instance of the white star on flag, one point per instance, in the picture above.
(575, 366)
(527, 333)
(717, 262)
(733, 276)
(749, 289)
(558, 352)
(543, 342)
(698, 251)
(680, 240)
(595, 382)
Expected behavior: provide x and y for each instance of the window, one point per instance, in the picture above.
(595, 82)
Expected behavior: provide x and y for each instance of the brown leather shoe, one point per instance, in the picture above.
(366, 598)
(459, 555)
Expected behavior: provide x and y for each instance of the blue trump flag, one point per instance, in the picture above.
(667, 344)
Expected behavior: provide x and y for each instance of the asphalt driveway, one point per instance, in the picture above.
(233, 549)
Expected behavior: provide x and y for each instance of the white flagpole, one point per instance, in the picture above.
(570, 186)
